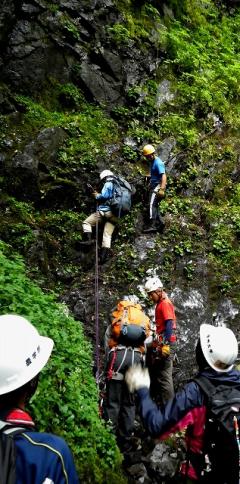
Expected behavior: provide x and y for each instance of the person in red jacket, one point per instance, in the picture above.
(164, 344)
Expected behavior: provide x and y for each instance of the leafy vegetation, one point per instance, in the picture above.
(66, 401)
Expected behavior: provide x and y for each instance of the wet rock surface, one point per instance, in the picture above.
(69, 42)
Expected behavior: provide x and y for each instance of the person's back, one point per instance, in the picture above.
(42, 456)
(37, 458)
(124, 346)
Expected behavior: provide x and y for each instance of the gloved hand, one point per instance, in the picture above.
(148, 341)
(137, 377)
(161, 193)
(165, 351)
(94, 194)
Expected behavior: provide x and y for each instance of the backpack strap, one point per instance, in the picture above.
(120, 181)
(205, 384)
(116, 374)
(14, 431)
(11, 430)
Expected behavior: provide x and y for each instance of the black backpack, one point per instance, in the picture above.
(8, 453)
(219, 461)
(121, 200)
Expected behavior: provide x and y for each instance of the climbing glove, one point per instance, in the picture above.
(165, 351)
(161, 193)
(137, 377)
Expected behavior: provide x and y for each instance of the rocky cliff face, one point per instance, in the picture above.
(63, 55)
(69, 41)
(79, 92)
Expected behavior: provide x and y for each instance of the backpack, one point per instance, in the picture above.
(121, 201)
(120, 358)
(130, 325)
(8, 453)
(219, 461)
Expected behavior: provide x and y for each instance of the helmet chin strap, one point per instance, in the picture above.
(31, 388)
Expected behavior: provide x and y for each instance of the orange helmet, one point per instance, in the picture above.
(148, 150)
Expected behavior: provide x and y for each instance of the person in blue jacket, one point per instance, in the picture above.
(102, 215)
(41, 458)
(216, 352)
(158, 181)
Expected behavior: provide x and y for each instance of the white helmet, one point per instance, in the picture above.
(152, 284)
(23, 352)
(219, 346)
(105, 173)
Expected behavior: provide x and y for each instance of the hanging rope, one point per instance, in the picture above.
(97, 346)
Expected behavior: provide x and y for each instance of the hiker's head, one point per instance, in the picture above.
(219, 347)
(148, 152)
(105, 174)
(131, 298)
(154, 288)
(23, 354)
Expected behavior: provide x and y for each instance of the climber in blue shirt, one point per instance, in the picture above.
(103, 215)
(41, 458)
(158, 181)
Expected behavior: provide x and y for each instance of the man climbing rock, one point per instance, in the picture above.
(207, 409)
(157, 185)
(31, 456)
(163, 348)
(103, 215)
(124, 346)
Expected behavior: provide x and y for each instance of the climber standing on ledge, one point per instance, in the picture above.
(157, 185)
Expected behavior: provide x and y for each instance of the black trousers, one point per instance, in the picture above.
(154, 208)
(120, 409)
(120, 403)
(161, 375)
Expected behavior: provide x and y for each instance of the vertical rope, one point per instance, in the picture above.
(97, 353)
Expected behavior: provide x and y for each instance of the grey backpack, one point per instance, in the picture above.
(8, 453)
(121, 200)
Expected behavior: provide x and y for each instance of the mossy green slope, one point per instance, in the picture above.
(66, 402)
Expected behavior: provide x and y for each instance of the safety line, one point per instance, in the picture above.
(97, 355)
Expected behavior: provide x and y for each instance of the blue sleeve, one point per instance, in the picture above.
(160, 166)
(156, 421)
(106, 193)
(168, 330)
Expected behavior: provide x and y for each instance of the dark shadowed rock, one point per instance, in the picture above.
(27, 168)
(100, 85)
(69, 43)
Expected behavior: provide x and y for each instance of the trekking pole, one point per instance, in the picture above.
(97, 355)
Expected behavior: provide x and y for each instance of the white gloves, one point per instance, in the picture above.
(137, 377)
(148, 341)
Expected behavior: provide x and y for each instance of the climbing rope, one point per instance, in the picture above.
(97, 345)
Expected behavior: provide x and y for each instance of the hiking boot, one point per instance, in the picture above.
(104, 255)
(87, 239)
(150, 228)
(160, 228)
